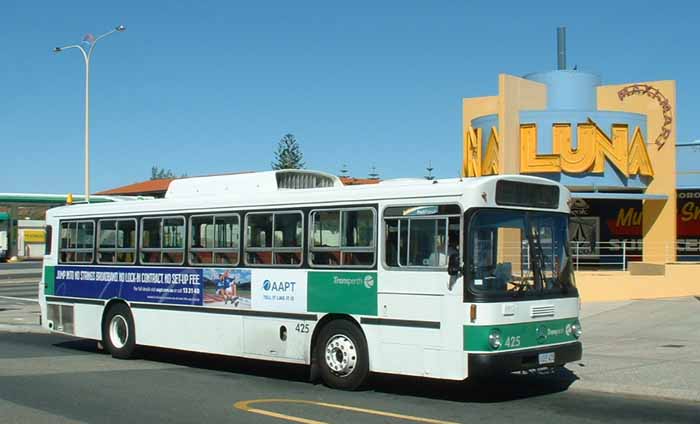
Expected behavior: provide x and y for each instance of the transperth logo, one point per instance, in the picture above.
(367, 281)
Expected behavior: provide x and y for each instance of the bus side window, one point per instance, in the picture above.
(214, 239)
(274, 238)
(421, 236)
(343, 238)
(77, 242)
(258, 238)
(163, 240)
(287, 241)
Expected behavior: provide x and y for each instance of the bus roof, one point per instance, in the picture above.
(268, 190)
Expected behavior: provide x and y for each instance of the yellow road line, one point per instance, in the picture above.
(244, 405)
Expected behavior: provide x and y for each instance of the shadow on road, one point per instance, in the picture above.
(482, 390)
(204, 361)
(479, 390)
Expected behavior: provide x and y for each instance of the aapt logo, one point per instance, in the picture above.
(369, 281)
(279, 286)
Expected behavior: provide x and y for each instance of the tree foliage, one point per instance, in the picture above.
(288, 154)
(160, 173)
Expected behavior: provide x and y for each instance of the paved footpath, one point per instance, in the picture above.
(643, 347)
(19, 310)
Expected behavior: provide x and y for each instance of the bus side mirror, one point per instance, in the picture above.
(453, 264)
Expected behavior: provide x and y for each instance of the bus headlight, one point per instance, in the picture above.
(495, 338)
(574, 329)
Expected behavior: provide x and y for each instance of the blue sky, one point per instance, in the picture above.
(207, 87)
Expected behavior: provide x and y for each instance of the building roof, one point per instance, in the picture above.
(144, 187)
(160, 186)
(358, 181)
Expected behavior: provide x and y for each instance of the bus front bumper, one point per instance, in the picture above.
(482, 364)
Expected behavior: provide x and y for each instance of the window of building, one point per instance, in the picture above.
(274, 238)
(163, 240)
(214, 239)
(342, 238)
(116, 241)
(77, 242)
(421, 236)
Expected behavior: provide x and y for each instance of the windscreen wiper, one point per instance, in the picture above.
(536, 255)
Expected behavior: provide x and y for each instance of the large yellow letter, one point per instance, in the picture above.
(489, 166)
(614, 150)
(530, 161)
(639, 162)
(471, 152)
(573, 160)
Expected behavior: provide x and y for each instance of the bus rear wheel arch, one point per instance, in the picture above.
(340, 354)
(118, 331)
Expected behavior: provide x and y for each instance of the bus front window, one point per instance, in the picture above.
(519, 253)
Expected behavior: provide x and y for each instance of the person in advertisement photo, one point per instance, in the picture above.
(229, 287)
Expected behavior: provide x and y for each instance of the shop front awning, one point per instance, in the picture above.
(611, 196)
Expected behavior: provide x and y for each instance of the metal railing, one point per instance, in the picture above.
(618, 254)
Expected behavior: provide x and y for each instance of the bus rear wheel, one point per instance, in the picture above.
(341, 352)
(118, 335)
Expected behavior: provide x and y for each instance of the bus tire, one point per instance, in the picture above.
(118, 334)
(341, 353)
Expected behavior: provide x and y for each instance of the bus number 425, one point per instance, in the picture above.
(512, 341)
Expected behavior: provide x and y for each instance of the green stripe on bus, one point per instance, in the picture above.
(49, 280)
(518, 336)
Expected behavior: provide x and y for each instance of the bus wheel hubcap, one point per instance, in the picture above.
(118, 331)
(341, 355)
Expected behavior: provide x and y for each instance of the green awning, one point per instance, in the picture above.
(47, 199)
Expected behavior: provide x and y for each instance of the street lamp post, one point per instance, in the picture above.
(91, 40)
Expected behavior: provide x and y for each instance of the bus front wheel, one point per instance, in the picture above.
(341, 352)
(118, 335)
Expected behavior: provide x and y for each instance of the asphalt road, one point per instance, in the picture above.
(50, 378)
(23, 271)
(29, 265)
(20, 289)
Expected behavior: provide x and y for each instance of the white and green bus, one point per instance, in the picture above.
(445, 279)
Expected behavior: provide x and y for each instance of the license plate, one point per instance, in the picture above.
(545, 358)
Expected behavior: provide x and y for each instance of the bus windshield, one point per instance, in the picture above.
(519, 253)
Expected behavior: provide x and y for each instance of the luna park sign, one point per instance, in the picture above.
(594, 148)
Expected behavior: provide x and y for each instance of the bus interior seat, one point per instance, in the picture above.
(201, 257)
(150, 257)
(357, 258)
(172, 257)
(261, 257)
(290, 258)
(226, 258)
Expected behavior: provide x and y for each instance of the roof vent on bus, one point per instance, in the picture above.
(250, 182)
(299, 179)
